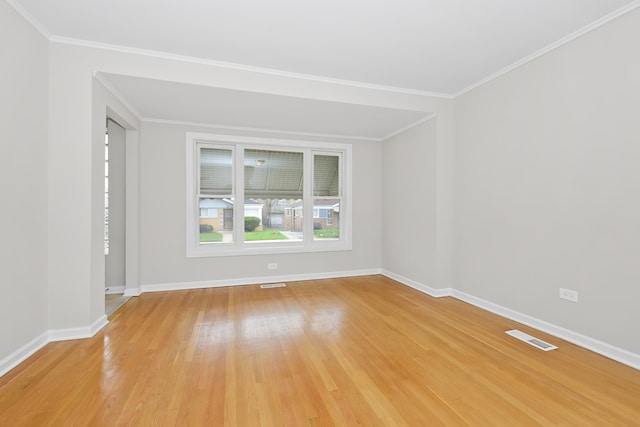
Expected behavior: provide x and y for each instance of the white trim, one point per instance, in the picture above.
(531, 340)
(310, 77)
(98, 325)
(433, 292)
(78, 333)
(23, 353)
(99, 77)
(399, 131)
(132, 292)
(274, 142)
(618, 354)
(179, 286)
(242, 67)
(52, 335)
(263, 130)
(238, 247)
(30, 18)
(607, 350)
(553, 46)
(109, 290)
(615, 353)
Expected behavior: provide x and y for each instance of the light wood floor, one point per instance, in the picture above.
(356, 351)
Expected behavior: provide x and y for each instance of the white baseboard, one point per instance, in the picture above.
(161, 287)
(24, 352)
(78, 333)
(607, 350)
(132, 292)
(436, 293)
(98, 325)
(114, 290)
(618, 354)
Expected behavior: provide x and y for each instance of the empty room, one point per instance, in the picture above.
(288, 213)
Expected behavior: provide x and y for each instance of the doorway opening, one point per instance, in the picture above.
(114, 215)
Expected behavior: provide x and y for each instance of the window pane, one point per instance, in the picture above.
(273, 182)
(216, 220)
(327, 225)
(273, 174)
(326, 175)
(216, 175)
(276, 219)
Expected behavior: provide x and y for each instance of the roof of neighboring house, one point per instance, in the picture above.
(252, 202)
(225, 203)
(319, 204)
(215, 203)
(326, 202)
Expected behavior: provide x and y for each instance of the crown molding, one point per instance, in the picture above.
(412, 125)
(329, 80)
(222, 64)
(553, 46)
(99, 77)
(263, 130)
(30, 18)
(242, 67)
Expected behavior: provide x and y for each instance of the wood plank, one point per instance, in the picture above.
(353, 351)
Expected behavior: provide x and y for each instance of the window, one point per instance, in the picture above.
(328, 197)
(273, 181)
(266, 188)
(215, 193)
(208, 212)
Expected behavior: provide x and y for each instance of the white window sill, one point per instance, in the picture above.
(227, 249)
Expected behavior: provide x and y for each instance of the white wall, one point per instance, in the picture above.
(417, 218)
(409, 208)
(163, 222)
(76, 274)
(547, 185)
(105, 104)
(23, 182)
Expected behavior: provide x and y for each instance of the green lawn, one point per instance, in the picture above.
(266, 234)
(269, 234)
(210, 237)
(329, 233)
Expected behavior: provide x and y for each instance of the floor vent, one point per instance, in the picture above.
(273, 285)
(545, 346)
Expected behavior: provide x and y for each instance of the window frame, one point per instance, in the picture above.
(238, 144)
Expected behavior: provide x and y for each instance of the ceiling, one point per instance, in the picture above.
(245, 109)
(431, 47)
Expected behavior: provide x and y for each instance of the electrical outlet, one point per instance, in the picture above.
(272, 266)
(569, 295)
